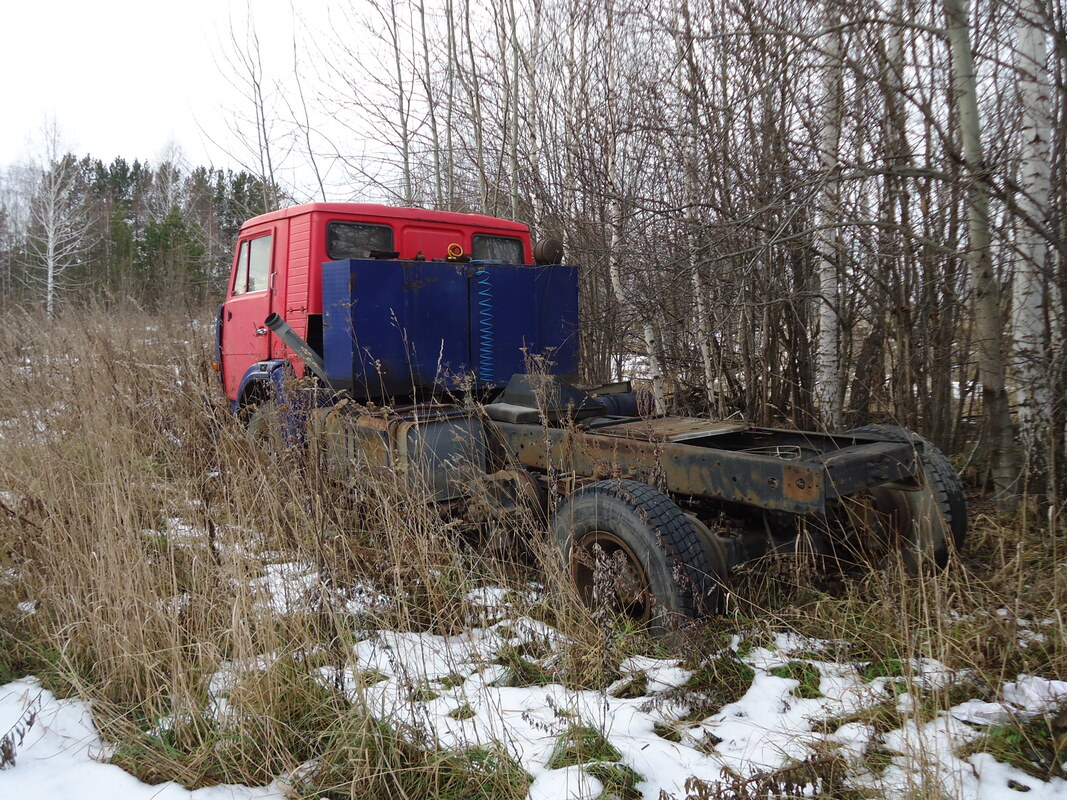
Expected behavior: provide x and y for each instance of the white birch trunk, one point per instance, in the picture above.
(693, 199)
(513, 117)
(1030, 334)
(474, 93)
(531, 63)
(703, 325)
(618, 286)
(988, 322)
(431, 104)
(51, 266)
(62, 223)
(403, 124)
(450, 106)
(828, 393)
(617, 222)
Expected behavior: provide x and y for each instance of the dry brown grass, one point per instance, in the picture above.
(138, 520)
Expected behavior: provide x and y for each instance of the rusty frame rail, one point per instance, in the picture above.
(702, 470)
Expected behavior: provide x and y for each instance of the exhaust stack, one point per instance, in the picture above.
(293, 341)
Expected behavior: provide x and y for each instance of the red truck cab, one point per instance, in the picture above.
(277, 267)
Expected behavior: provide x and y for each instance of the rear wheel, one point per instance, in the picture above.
(881, 525)
(718, 562)
(926, 523)
(628, 547)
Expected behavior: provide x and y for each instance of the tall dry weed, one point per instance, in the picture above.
(138, 523)
(137, 526)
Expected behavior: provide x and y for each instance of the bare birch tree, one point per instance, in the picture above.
(262, 150)
(60, 221)
(1029, 311)
(827, 390)
(989, 325)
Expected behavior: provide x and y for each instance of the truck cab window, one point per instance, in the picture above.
(357, 240)
(240, 283)
(253, 266)
(497, 249)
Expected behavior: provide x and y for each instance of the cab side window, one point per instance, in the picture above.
(253, 265)
(240, 281)
(497, 249)
(358, 240)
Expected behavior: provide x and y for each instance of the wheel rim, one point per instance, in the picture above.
(886, 524)
(265, 431)
(606, 571)
(267, 439)
(871, 521)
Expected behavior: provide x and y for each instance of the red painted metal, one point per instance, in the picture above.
(296, 268)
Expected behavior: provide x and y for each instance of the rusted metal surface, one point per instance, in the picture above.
(442, 448)
(503, 494)
(437, 448)
(670, 429)
(356, 440)
(854, 468)
(795, 485)
(799, 483)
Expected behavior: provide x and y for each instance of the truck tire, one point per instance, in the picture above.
(942, 491)
(626, 545)
(940, 474)
(264, 428)
(715, 550)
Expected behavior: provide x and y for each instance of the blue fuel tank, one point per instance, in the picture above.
(402, 328)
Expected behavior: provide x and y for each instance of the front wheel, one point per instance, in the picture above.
(628, 547)
(265, 428)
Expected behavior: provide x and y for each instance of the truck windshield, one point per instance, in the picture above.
(497, 249)
(357, 240)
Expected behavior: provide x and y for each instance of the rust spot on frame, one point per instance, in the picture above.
(800, 483)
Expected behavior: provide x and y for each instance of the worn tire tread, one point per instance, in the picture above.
(677, 538)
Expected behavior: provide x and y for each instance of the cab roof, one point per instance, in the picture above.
(384, 212)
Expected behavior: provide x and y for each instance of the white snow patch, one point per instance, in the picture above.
(59, 754)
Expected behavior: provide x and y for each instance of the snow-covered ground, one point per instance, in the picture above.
(51, 751)
(458, 691)
(451, 687)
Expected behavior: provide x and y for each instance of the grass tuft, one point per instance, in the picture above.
(581, 744)
(806, 675)
(619, 780)
(361, 756)
(1037, 746)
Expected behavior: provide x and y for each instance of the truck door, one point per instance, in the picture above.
(244, 339)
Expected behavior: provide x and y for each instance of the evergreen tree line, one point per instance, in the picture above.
(73, 229)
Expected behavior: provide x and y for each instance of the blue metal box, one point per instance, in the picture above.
(401, 328)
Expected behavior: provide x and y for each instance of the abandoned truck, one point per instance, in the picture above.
(405, 338)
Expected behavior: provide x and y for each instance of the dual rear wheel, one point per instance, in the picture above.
(628, 548)
(922, 525)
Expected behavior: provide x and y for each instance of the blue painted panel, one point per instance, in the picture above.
(336, 324)
(556, 289)
(394, 328)
(521, 314)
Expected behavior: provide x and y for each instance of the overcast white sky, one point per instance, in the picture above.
(128, 77)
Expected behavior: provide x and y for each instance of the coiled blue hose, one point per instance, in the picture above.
(485, 326)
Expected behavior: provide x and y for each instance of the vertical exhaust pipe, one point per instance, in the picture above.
(293, 341)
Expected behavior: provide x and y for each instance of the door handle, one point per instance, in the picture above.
(261, 331)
